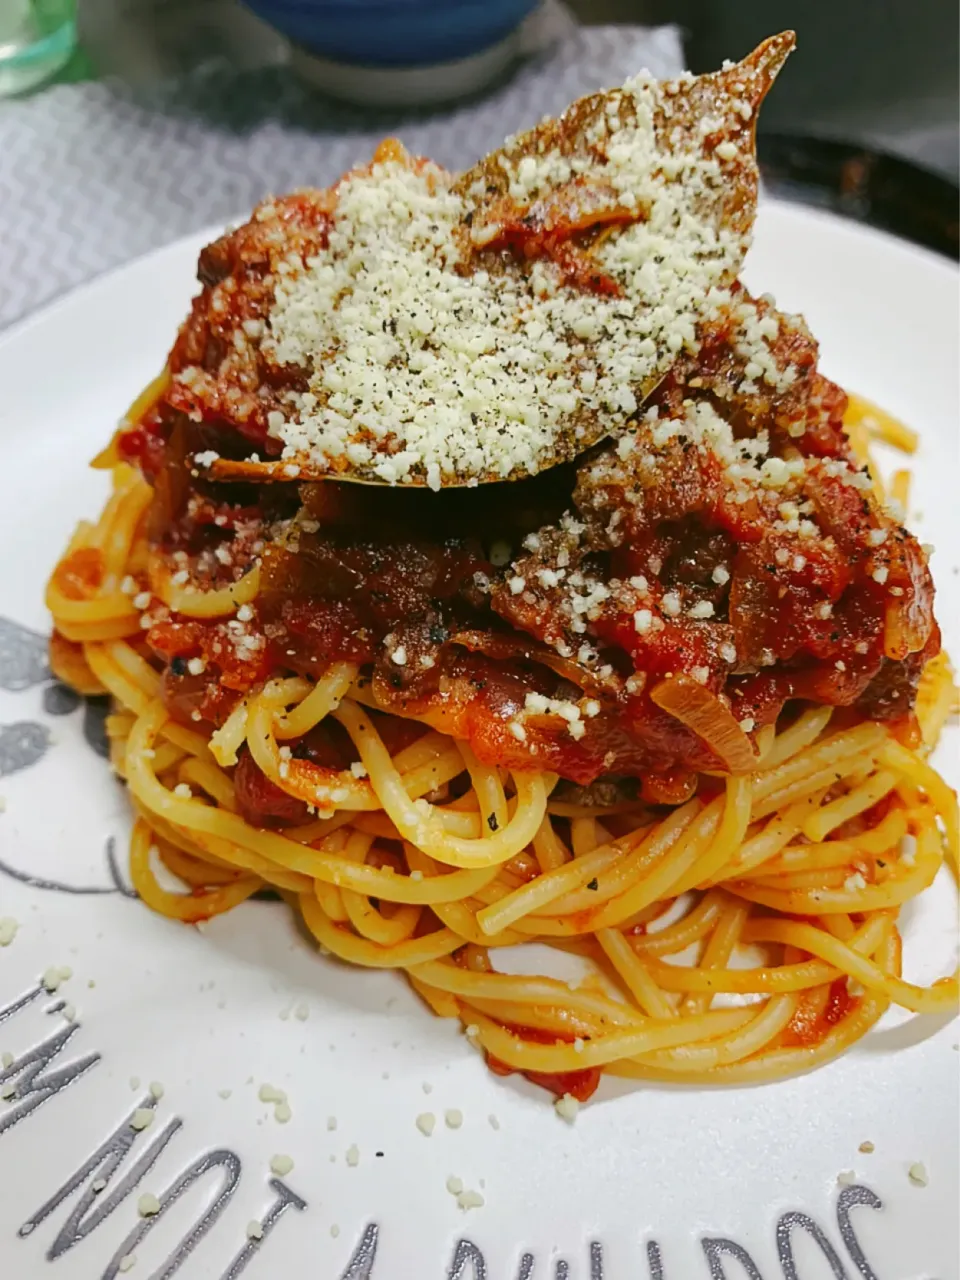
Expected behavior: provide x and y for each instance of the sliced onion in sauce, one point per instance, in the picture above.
(705, 715)
(499, 646)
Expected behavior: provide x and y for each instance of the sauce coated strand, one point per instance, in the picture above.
(581, 1085)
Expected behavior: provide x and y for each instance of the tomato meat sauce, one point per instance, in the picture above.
(641, 612)
(813, 1020)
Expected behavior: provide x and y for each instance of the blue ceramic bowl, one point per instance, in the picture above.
(394, 33)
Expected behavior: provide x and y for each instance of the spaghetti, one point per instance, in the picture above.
(808, 858)
(622, 739)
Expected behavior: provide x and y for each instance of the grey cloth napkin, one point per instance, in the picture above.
(93, 175)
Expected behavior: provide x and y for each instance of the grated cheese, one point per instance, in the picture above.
(426, 1123)
(423, 364)
(281, 1107)
(468, 1199)
(670, 605)
(148, 1205)
(567, 1108)
(55, 976)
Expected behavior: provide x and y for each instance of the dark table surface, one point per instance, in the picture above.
(885, 73)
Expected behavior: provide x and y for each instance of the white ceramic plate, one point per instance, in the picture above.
(651, 1183)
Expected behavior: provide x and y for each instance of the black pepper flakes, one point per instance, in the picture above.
(593, 884)
(492, 822)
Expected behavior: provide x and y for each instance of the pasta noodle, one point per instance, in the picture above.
(805, 859)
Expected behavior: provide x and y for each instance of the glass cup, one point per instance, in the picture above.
(36, 38)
